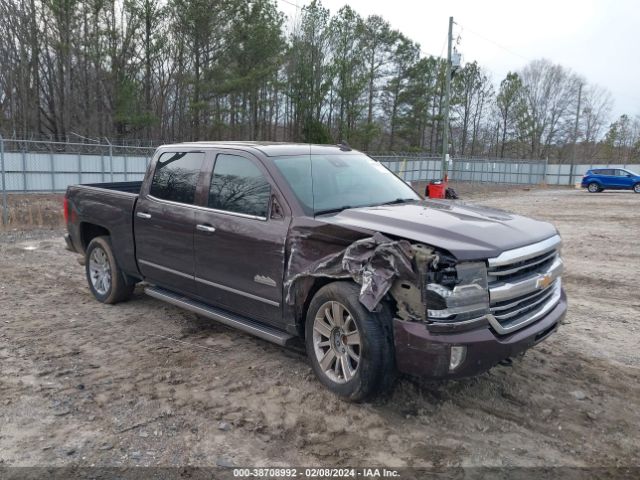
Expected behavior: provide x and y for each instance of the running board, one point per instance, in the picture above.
(230, 319)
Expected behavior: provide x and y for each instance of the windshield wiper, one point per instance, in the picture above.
(398, 200)
(332, 210)
(345, 207)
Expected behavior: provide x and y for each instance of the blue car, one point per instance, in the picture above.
(599, 179)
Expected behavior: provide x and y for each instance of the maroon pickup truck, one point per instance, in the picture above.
(324, 244)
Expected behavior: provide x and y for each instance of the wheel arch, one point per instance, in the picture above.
(387, 303)
(303, 307)
(597, 182)
(379, 365)
(89, 231)
(122, 285)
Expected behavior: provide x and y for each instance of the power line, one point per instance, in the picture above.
(498, 45)
(637, 99)
(444, 42)
(430, 54)
(292, 4)
(298, 8)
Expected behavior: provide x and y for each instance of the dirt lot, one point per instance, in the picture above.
(143, 383)
(31, 211)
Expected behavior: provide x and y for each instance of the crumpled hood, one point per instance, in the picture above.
(468, 232)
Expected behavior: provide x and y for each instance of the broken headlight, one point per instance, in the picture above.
(467, 299)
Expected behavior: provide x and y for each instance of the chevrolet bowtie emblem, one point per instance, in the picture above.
(544, 281)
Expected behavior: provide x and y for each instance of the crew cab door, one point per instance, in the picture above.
(607, 177)
(164, 220)
(240, 239)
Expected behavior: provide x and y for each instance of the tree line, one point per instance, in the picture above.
(179, 70)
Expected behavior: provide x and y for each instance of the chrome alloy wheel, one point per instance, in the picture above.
(593, 187)
(636, 188)
(336, 342)
(100, 271)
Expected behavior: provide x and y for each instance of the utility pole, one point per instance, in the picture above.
(110, 157)
(445, 133)
(575, 128)
(5, 206)
(575, 135)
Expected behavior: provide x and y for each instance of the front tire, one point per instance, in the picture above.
(350, 348)
(636, 188)
(107, 282)
(593, 187)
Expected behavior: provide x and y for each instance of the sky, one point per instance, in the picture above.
(597, 39)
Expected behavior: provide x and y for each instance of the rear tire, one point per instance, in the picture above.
(107, 282)
(636, 188)
(593, 187)
(350, 349)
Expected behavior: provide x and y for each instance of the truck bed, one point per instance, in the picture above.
(127, 187)
(108, 206)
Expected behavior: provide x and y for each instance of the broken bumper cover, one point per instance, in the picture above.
(422, 353)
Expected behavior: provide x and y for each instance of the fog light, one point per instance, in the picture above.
(457, 357)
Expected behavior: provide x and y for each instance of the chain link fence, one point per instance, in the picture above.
(416, 167)
(421, 167)
(30, 166)
(37, 166)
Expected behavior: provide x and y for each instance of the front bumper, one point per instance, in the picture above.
(422, 353)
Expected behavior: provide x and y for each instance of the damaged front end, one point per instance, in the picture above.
(440, 306)
(426, 285)
(374, 262)
(449, 296)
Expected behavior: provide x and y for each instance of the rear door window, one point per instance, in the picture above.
(238, 186)
(176, 176)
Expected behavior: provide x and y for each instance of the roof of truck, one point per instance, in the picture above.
(273, 149)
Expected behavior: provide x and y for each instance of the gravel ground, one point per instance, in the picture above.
(32, 211)
(144, 383)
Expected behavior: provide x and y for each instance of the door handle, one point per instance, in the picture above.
(205, 228)
(143, 215)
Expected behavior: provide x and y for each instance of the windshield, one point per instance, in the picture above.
(330, 183)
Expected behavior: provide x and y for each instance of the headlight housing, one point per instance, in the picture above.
(468, 299)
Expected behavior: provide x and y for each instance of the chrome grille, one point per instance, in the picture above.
(524, 284)
(509, 272)
(522, 261)
(511, 312)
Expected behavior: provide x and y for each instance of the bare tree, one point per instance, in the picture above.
(509, 104)
(597, 103)
(550, 92)
(157, 70)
